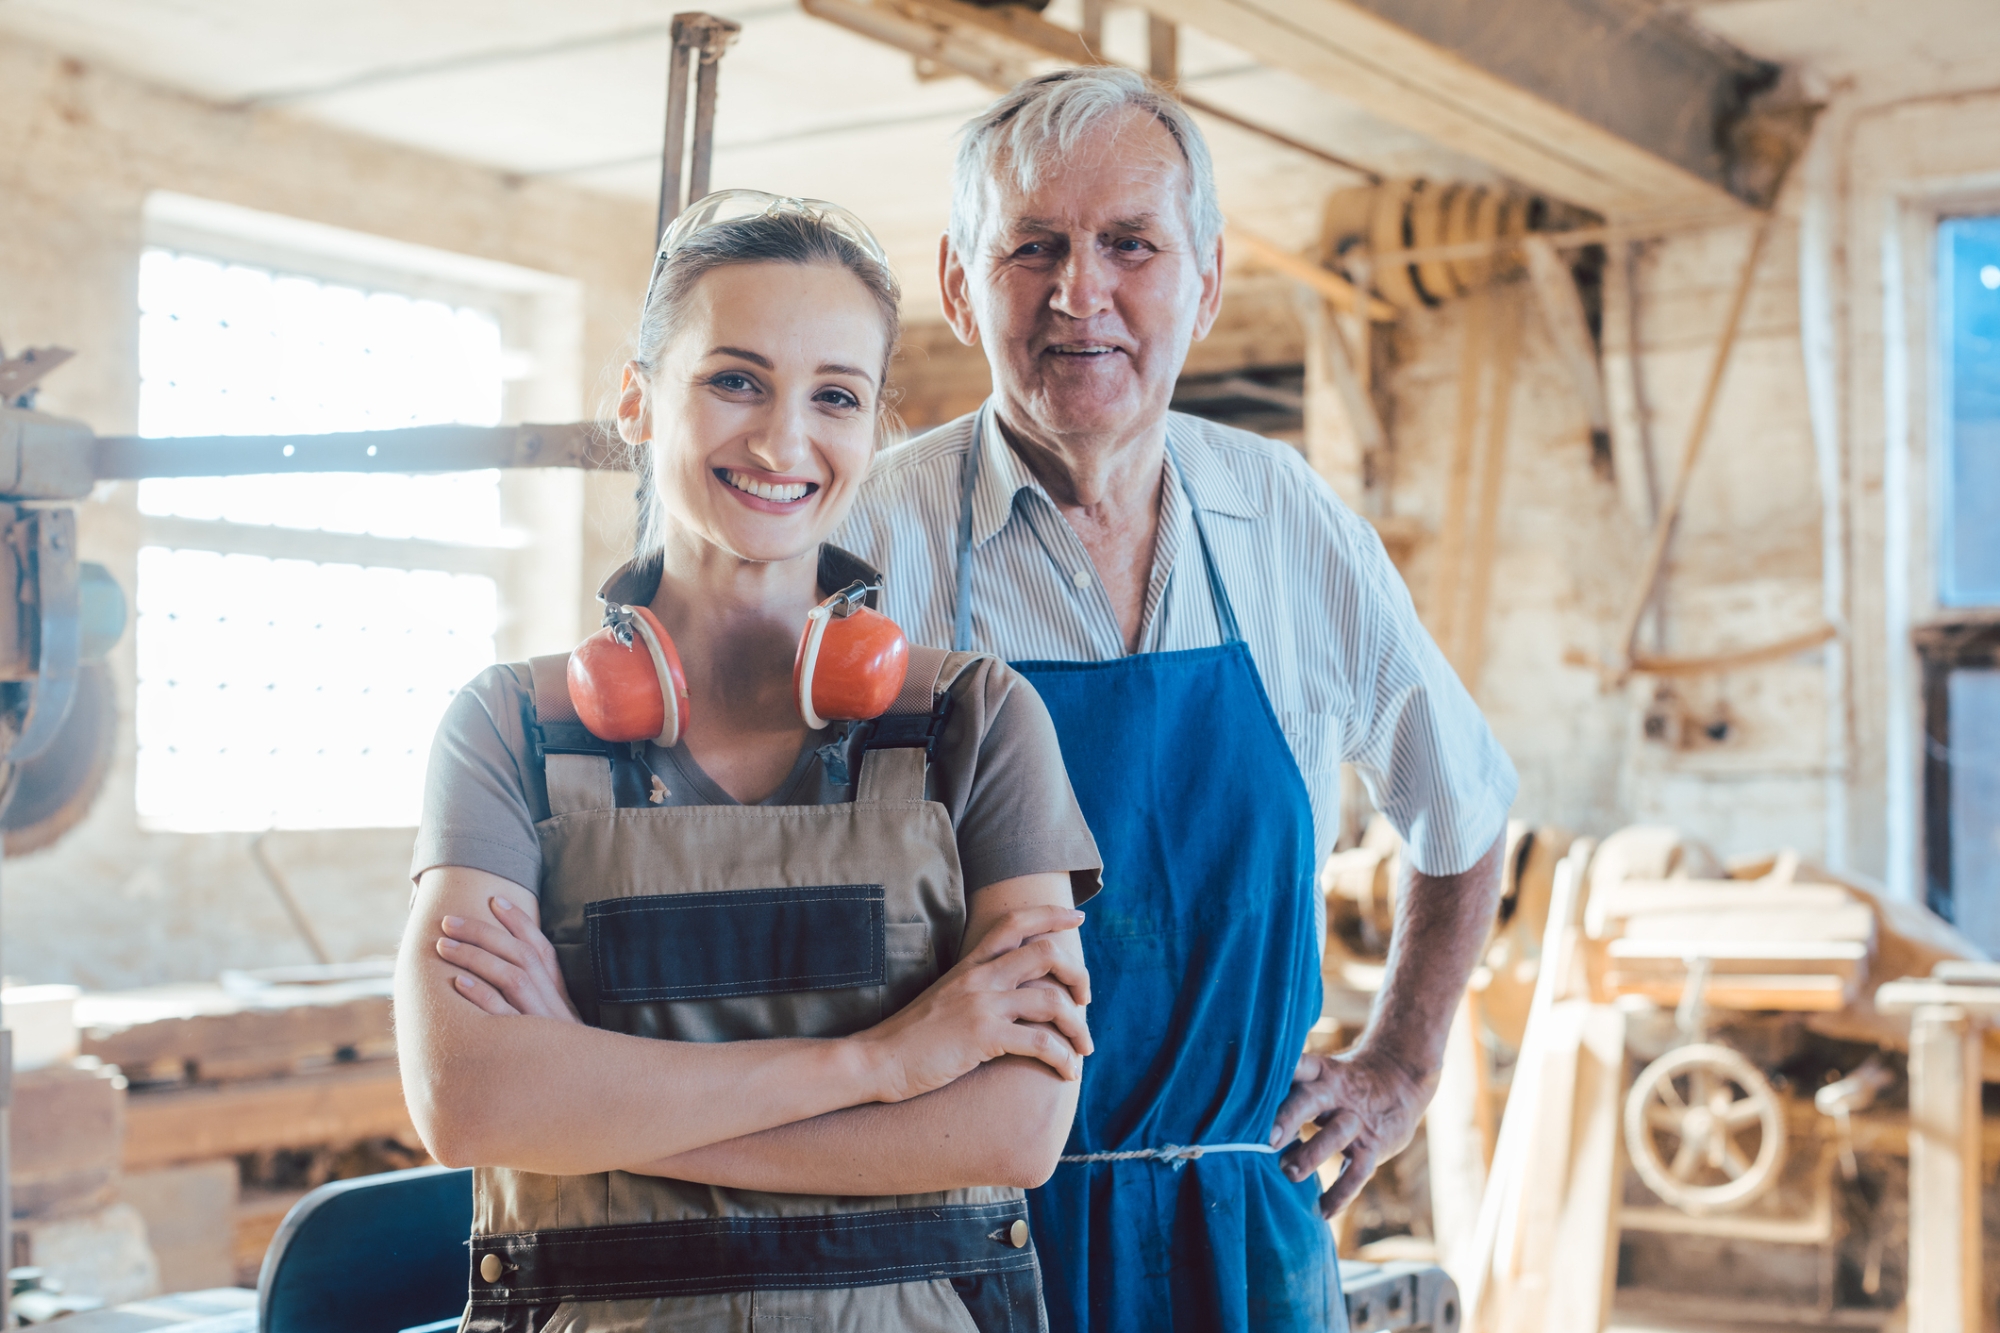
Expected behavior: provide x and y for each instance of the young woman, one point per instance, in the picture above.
(764, 1022)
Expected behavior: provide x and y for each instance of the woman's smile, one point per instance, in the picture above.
(767, 494)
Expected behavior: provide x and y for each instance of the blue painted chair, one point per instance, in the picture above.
(377, 1254)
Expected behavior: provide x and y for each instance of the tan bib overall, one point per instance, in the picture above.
(726, 923)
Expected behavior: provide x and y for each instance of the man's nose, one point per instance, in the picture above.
(1084, 283)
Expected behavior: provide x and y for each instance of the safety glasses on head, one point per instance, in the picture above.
(713, 210)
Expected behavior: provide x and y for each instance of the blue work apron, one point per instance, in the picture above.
(1204, 974)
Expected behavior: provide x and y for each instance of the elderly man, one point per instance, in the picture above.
(1214, 634)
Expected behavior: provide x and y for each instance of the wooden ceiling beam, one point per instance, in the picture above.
(1001, 45)
(1618, 107)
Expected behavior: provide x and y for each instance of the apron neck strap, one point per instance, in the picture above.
(961, 620)
(1225, 611)
(961, 611)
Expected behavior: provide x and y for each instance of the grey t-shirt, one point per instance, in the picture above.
(997, 768)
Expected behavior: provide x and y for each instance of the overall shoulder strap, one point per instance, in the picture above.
(576, 764)
(896, 755)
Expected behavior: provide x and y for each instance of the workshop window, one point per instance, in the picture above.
(1961, 651)
(299, 636)
(1969, 322)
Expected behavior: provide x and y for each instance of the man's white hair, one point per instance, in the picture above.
(1045, 118)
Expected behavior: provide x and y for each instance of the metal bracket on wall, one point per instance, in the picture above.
(19, 375)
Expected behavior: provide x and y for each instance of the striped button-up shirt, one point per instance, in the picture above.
(1351, 673)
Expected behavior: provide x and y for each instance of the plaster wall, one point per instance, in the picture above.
(1743, 570)
(111, 905)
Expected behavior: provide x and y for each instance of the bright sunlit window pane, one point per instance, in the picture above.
(1969, 322)
(286, 694)
(279, 693)
(462, 507)
(229, 350)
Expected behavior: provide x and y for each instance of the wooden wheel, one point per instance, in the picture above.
(1428, 209)
(1459, 218)
(1482, 224)
(1388, 234)
(1704, 1128)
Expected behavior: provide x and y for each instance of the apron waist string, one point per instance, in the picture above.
(1174, 1154)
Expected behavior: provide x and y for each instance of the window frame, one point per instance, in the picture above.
(1944, 647)
(540, 317)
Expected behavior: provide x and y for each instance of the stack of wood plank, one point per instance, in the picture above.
(1634, 922)
(68, 1133)
(295, 1066)
(257, 1061)
(1767, 944)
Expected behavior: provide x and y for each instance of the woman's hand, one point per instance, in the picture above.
(511, 969)
(1013, 993)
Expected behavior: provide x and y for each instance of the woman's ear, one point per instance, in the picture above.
(635, 412)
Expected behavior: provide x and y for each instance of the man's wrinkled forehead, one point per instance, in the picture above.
(1127, 177)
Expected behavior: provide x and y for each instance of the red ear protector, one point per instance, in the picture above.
(626, 680)
(627, 684)
(851, 660)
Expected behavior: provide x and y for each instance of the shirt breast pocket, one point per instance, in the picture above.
(1315, 741)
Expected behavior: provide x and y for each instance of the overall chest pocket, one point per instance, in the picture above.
(737, 944)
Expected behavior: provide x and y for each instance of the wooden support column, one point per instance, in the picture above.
(1457, 1150)
(1948, 1017)
(1944, 1171)
(1341, 427)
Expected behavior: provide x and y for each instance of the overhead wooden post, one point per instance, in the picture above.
(698, 43)
(1947, 1030)
(1342, 430)
(1163, 50)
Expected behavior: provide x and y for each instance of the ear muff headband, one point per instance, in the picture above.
(670, 726)
(816, 621)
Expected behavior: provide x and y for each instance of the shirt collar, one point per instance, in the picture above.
(1002, 475)
(1207, 478)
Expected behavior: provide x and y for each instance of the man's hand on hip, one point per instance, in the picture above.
(1367, 1108)
(1368, 1101)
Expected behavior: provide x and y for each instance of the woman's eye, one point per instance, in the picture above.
(837, 398)
(733, 381)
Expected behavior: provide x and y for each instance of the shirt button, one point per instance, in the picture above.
(490, 1267)
(1018, 1234)
(1081, 578)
